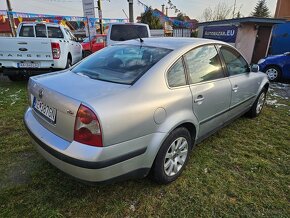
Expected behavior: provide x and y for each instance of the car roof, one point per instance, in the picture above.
(128, 24)
(172, 43)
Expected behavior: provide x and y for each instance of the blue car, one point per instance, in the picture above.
(277, 67)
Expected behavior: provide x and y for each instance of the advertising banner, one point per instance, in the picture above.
(222, 33)
(89, 12)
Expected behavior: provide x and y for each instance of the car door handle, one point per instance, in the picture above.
(199, 98)
(235, 88)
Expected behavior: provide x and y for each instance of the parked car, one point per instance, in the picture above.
(93, 44)
(115, 32)
(277, 67)
(38, 48)
(140, 107)
(118, 32)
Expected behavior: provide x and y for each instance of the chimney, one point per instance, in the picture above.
(163, 8)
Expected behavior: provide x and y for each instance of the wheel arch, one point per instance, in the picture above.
(69, 56)
(190, 126)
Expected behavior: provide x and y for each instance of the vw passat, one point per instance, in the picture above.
(140, 107)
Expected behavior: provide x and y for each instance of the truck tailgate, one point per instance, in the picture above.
(25, 49)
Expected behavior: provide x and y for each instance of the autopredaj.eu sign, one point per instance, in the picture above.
(222, 33)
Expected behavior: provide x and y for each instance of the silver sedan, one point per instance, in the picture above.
(139, 107)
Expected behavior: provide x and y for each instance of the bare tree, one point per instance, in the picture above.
(220, 12)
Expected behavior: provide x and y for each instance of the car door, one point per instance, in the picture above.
(211, 89)
(74, 47)
(99, 43)
(244, 85)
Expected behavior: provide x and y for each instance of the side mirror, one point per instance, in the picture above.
(255, 68)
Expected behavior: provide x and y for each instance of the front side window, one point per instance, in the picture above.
(121, 63)
(40, 30)
(176, 75)
(204, 64)
(26, 31)
(234, 61)
(54, 32)
(121, 32)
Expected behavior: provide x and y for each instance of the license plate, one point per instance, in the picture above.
(48, 112)
(28, 65)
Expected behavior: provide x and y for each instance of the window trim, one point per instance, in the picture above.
(208, 81)
(185, 74)
(224, 62)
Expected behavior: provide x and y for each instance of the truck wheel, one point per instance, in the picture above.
(68, 63)
(172, 156)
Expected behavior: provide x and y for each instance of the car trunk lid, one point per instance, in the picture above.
(61, 94)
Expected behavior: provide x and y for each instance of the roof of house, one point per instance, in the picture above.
(245, 20)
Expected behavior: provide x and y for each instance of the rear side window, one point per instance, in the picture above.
(234, 61)
(26, 31)
(204, 64)
(176, 75)
(40, 30)
(54, 32)
(127, 32)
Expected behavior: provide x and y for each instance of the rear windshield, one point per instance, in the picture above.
(127, 32)
(123, 64)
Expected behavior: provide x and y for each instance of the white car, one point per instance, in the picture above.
(38, 48)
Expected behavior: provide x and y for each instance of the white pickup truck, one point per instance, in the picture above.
(38, 48)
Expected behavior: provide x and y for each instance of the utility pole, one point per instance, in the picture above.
(131, 15)
(100, 16)
(10, 18)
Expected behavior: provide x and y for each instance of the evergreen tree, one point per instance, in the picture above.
(181, 16)
(148, 18)
(261, 9)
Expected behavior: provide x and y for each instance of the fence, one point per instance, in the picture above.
(181, 32)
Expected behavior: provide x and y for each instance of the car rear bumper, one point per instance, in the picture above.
(125, 160)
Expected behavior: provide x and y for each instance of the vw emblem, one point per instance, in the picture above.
(40, 93)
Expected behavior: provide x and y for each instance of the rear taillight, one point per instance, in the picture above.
(55, 47)
(87, 128)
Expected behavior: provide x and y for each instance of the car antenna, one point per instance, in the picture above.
(141, 40)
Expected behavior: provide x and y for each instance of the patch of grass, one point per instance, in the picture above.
(243, 170)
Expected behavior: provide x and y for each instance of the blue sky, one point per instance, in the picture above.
(113, 8)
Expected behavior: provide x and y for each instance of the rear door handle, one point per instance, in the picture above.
(235, 88)
(199, 98)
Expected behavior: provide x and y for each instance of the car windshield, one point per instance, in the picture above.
(123, 64)
(88, 39)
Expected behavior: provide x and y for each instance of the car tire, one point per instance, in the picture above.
(68, 63)
(258, 105)
(273, 73)
(86, 54)
(172, 156)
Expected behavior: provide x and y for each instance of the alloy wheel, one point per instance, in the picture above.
(175, 156)
(272, 74)
(260, 103)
